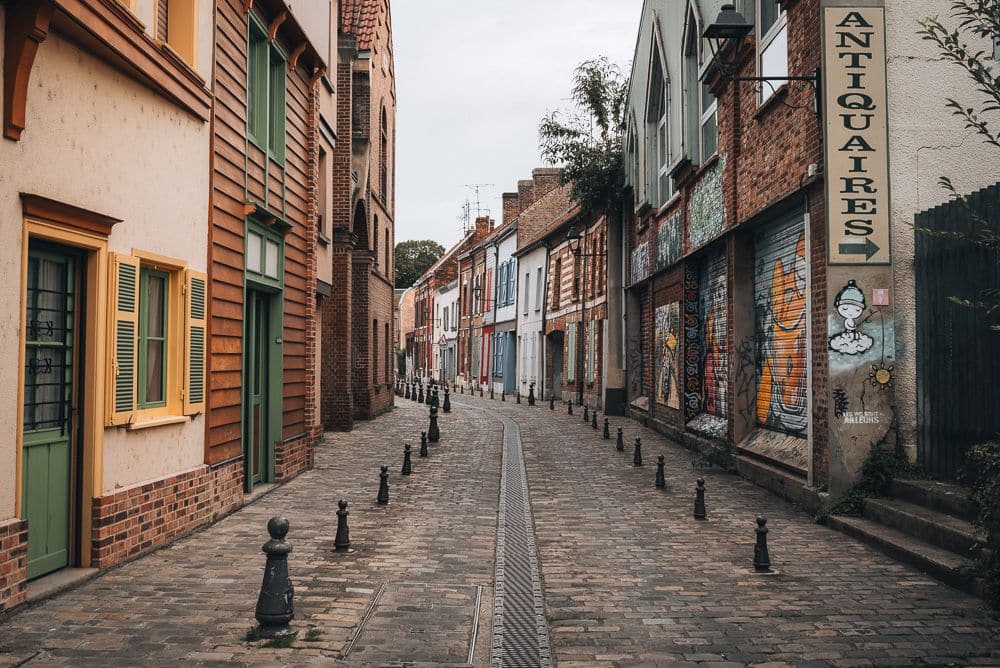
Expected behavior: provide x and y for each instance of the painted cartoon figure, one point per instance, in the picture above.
(850, 304)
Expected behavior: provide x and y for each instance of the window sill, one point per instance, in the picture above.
(160, 421)
(323, 239)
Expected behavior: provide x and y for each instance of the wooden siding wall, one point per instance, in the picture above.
(238, 176)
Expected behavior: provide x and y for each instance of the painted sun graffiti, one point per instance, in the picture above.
(881, 376)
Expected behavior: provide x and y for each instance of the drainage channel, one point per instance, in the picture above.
(520, 634)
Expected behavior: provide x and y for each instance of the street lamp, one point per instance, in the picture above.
(574, 237)
(725, 37)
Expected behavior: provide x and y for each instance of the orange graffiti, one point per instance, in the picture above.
(781, 395)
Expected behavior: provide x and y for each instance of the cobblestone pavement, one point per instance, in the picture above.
(192, 603)
(630, 578)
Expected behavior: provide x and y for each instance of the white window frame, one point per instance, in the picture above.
(539, 292)
(527, 292)
(764, 41)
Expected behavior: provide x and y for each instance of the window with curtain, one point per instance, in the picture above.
(153, 311)
(772, 44)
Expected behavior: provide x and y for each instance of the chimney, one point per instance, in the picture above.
(484, 225)
(546, 179)
(510, 207)
(525, 194)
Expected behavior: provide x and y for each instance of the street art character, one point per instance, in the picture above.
(667, 355)
(850, 304)
(781, 392)
(716, 359)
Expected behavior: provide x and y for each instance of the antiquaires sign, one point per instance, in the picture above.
(857, 140)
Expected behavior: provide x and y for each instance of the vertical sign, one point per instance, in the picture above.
(856, 128)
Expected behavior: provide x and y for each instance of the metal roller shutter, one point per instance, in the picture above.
(713, 300)
(781, 312)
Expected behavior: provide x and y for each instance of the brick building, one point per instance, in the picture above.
(358, 354)
(733, 309)
(472, 303)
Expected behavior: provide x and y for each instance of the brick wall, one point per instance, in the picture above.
(13, 563)
(292, 457)
(137, 519)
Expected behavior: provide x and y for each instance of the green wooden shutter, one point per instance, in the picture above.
(124, 293)
(195, 288)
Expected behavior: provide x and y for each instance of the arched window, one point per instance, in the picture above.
(658, 181)
(388, 253)
(383, 157)
(375, 237)
(700, 103)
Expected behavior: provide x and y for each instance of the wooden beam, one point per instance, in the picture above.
(67, 215)
(272, 29)
(27, 26)
(247, 6)
(317, 73)
(293, 59)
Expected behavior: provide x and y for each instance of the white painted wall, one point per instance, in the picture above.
(925, 143)
(529, 324)
(99, 140)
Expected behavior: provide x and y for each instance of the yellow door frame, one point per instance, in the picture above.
(94, 353)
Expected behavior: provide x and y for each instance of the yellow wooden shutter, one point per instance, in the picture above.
(124, 294)
(195, 291)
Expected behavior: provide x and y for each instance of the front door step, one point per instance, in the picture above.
(61, 580)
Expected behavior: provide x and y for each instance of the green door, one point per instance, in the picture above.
(258, 316)
(48, 407)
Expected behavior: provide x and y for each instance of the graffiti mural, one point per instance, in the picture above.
(850, 304)
(668, 242)
(715, 348)
(666, 340)
(640, 262)
(707, 207)
(692, 343)
(781, 337)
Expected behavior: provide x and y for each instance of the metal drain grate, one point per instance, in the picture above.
(520, 635)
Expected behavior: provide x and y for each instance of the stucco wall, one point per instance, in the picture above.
(101, 141)
(925, 142)
(530, 324)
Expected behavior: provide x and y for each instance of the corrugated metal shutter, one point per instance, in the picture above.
(781, 311)
(162, 12)
(713, 295)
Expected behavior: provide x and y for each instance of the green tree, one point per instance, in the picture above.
(586, 140)
(413, 258)
(978, 22)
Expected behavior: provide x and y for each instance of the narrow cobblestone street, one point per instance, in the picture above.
(628, 576)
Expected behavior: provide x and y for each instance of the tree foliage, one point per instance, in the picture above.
(586, 139)
(978, 22)
(413, 258)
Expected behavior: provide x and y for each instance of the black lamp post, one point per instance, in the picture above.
(725, 37)
(573, 236)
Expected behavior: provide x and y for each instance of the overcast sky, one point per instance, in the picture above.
(473, 78)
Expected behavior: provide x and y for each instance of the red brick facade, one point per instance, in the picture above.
(13, 563)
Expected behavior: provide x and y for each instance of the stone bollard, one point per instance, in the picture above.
(569, 407)
(607, 430)
(342, 542)
(420, 394)
(699, 501)
(637, 455)
(661, 480)
(593, 420)
(761, 558)
(447, 401)
(423, 444)
(407, 462)
(620, 445)
(433, 433)
(383, 486)
(552, 402)
(531, 394)
(275, 605)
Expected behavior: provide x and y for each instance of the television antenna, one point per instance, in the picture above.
(477, 188)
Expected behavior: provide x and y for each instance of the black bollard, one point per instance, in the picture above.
(569, 407)
(503, 396)
(275, 605)
(531, 394)
(420, 395)
(620, 445)
(480, 391)
(586, 413)
(491, 391)
(607, 430)
(423, 444)
(593, 420)
(761, 558)
(342, 542)
(407, 395)
(433, 433)
(661, 480)
(447, 401)
(699, 501)
(637, 455)
(462, 388)
(383, 486)
(552, 402)
(407, 462)
(518, 395)
(436, 401)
